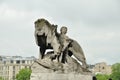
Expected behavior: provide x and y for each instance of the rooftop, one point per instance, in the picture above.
(6, 58)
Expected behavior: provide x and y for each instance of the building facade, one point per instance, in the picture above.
(11, 65)
(102, 68)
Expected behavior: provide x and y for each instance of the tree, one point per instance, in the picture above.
(102, 77)
(115, 71)
(1, 78)
(24, 74)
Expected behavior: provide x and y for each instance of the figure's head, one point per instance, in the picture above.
(63, 30)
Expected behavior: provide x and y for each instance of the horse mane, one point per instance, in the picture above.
(50, 26)
(43, 20)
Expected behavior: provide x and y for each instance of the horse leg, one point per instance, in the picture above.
(84, 64)
(64, 55)
(82, 60)
(79, 56)
(58, 57)
(42, 52)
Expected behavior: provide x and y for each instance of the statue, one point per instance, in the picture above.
(59, 60)
(47, 37)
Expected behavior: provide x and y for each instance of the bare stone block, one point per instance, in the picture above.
(61, 76)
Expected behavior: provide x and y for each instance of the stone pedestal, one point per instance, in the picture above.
(47, 70)
(59, 76)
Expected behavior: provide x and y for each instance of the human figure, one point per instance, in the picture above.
(64, 41)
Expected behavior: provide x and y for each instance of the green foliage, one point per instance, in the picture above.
(1, 78)
(115, 71)
(102, 77)
(24, 74)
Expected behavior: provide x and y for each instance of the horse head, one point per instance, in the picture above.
(46, 36)
(41, 26)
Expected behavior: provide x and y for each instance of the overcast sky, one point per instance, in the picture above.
(95, 24)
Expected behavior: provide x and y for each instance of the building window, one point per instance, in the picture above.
(29, 67)
(25, 66)
(23, 61)
(103, 67)
(31, 61)
(27, 62)
(18, 61)
(13, 77)
(13, 72)
(13, 68)
(4, 62)
(11, 61)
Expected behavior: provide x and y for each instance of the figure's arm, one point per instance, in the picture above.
(68, 39)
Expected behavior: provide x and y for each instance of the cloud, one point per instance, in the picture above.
(89, 12)
(93, 23)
